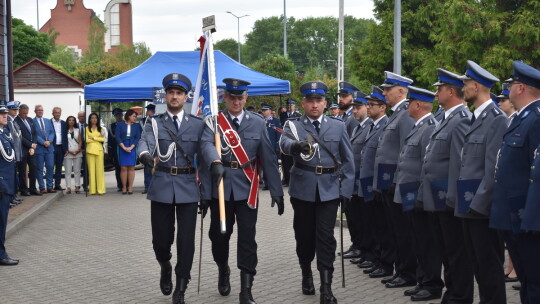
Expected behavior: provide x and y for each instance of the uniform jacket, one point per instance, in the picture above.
(15, 131)
(350, 122)
(120, 133)
(358, 138)
(478, 158)
(399, 125)
(513, 167)
(304, 184)
(443, 158)
(63, 132)
(409, 168)
(286, 116)
(180, 188)
(8, 180)
(367, 159)
(273, 135)
(28, 137)
(530, 213)
(49, 136)
(439, 114)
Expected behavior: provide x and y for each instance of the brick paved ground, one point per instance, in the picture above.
(98, 250)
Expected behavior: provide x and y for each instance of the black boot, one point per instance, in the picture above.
(224, 285)
(179, 291)
(165, 282)
(307, 279)
(246, 281)
(326, 288)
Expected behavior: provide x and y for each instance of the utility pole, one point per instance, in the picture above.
(285, 28)
(341, 60)
(37, 11)
(238, 19)
(397, 37)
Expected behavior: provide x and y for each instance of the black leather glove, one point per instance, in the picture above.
(344, 203)
(147, 160)
(299, 147)
(203, 207)
(278, 200)
(217, 171)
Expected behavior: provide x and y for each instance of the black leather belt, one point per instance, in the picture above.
(236, 165)
(316, 169)
(175, 170)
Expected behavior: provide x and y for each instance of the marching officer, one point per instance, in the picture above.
(408, 178)
(322, 177)
(476, 183)
(440, 173)
(286, 160)
(345, 96)
(392, 139)
(273, 134)
(7, 182)
(356, 210)
(514, 209)
(244, 144)
(374, 222)
(172, 139)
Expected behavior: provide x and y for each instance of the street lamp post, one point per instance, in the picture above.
(238, 19)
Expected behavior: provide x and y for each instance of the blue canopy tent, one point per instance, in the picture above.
(140, 82)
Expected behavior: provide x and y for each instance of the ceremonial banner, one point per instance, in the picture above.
(201, 99)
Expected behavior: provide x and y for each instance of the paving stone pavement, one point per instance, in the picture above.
(98, 249)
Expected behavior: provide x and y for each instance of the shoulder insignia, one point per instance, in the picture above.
(196, 117)
(336, 118)
(496, 112)
(463, 114)
(256, 115)
(164, 116)
(431, 122)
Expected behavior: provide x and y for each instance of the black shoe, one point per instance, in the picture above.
(351, 248)
(399, 282)
(179, 291)
(390, 279)
(366, 264)
(25, 193)
(326, 288)
(224, 284)
(165, 282)
(516, 287)
(59, 188)
(410, 292)
(246, 282)
(145, 191)
(119, 190)
(18, 200)
(357, 260)
(380, 273)
(35, 192)
(370, 270)
(307, 279)
(7, 261)
(353, 254)
(425, 295)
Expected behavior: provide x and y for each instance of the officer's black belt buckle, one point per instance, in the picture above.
(235, 165)
(318, 170)
(176, 170)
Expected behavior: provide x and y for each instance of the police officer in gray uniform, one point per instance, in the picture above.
(439, 176)
(171, 140)
(345, 95)
(15, 131)
(356, 209)
(476, 182)
(408, 178)
(7, 182)
(322, 177)
(245, 138)
(392, 140)
(515, 207)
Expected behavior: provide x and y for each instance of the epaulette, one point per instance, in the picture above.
(463, 114)
(431, 121)
(255, 114)
(193, 116)
(496, 112)
(537, 110)
(336, 118)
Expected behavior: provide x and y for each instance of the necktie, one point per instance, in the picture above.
(43, 129)
(473, 119)
(371, 128)
(175, 118)
(236, 123)
(317, 124)
(28, 126)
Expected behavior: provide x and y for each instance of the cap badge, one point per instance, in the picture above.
(175, 76)
(313, 85)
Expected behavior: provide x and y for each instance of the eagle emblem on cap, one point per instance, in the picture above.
(175, 76)
(313, 85)
(235, 83)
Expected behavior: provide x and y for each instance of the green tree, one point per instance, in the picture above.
(64, 58)
(95, 71)
(134, 55)
(96, 44)
(28, 43)
(228, 46)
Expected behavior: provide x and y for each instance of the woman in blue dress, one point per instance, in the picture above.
(128, 133)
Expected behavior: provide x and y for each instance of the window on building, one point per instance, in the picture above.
(115, 25)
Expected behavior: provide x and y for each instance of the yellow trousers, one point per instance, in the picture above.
(96, 173)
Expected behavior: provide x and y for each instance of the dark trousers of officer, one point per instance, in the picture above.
(427, 253)
(4, 210)
(286, 164)
(485, 248)
(354, 223)
(162, 217)
(384, 236)
(369, 244)
(524, 249)
(27, 163)
(116, 162)
(246, 218)
(313, 225)
(458, 272)
(58, 163)
(147, 177)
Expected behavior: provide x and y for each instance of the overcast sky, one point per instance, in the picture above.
(175, 25)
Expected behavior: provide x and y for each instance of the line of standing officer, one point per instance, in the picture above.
(322, 177)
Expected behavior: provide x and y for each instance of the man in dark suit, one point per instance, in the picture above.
(28, 160)
(113, 145)
(81, 116)
(60, 146)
